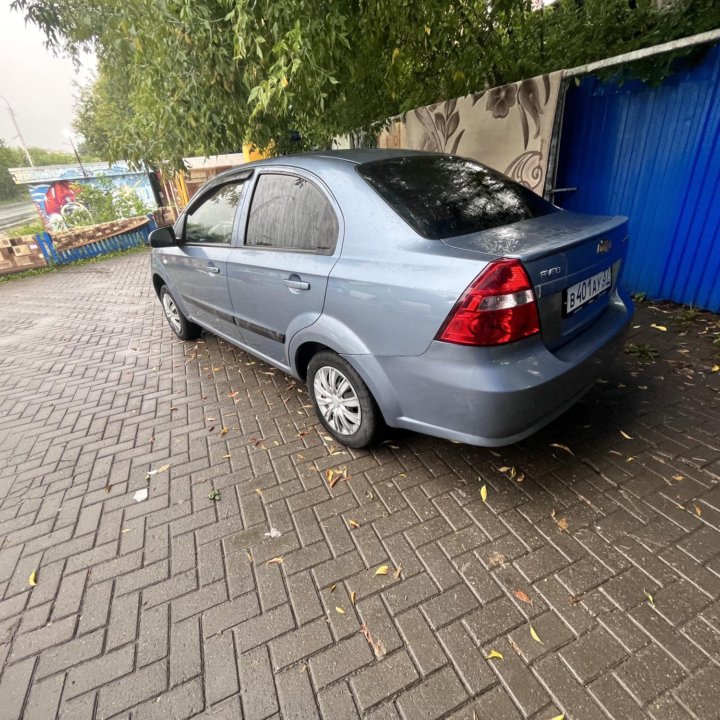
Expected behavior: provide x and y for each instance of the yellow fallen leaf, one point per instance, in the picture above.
(353, 524)
(535, 636)
(483, 493)
(661, 328)
(520, 595)
(164, 468)
(559, 717)
(382, 570)
(678, 478)
(276, 560)
(339, 610)
(698, 510)
(223, 431)
(503, 469)
(650, 598)
(625, 435)
(258, 491)
(494, 654)
(562, 447)
(397, 572)
(353, 597)
(715, 368)
(33, 578)
(227, 456)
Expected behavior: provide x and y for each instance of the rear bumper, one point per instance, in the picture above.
(493, 396)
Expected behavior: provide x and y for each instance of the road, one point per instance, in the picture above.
(16, 214)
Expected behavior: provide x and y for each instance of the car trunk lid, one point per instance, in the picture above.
(573, 261)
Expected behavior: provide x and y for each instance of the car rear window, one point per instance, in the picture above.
(442, 197)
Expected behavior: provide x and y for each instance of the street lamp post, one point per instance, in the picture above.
(17, 130)
(68, 135)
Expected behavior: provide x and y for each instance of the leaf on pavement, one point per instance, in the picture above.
(164, 468)
(397, 572)
(258, 491)
(678, 478)
(698, 510)
(559, 717)
(535, 636)
(625, 435)
(339, 610)
(495, 654)
(233, 394)
(353, 524)
(275, 561)
(382, 570)
(561, 522)
(520, 595)
(224, 431)
(33, 578)
(650, 598)
(661, 328)
(376, 644)
(715, 368)
(483, 493)
(353, 597)
(562, 447)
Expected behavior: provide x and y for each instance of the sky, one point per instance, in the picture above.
(37, 84)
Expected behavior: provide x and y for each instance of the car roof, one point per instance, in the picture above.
(312, 160)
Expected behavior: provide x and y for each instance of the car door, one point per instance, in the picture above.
(198, 265)
(279, 275)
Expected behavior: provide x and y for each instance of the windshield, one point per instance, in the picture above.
(442, 197)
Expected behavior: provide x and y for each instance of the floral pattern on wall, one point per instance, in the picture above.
(508, 128)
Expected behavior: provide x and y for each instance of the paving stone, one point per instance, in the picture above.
(180, 616)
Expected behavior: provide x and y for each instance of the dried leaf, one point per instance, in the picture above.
(107, 488)
(504, 469)
(561, 522)
(164, 468)
(382, 570)
(650, 598)
(331, 477)
(397, 572)
(535, 636)
(698, 510)
(625, 435)
(32, 580)
(678, 478)
(559, 717)
(562, 447)
(715, 368)
(520, 595)
(661, 328)
(495, 654)
(275, 561)
(483, 493)
(332, 588)
(376, 644)
(339, 610)
(353, 597)
(258, 491)
(233, 394)
(224, 431)
(353, 524)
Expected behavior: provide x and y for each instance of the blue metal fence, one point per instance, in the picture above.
(124, 241)
(653, 154)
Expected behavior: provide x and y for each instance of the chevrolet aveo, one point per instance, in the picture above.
(407, 289)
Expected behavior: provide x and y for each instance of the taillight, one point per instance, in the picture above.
(499, 307)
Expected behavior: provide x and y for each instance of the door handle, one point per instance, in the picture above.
(213, 270)
(296, 284)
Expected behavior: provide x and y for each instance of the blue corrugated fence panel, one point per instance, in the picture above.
(653, 154)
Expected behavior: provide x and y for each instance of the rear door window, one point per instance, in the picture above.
(442, 197)
(289, 212)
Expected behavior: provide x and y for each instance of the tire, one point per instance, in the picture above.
(326, 377)
(178, 323)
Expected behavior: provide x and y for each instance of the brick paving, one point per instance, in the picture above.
(608, 549)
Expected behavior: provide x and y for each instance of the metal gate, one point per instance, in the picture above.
(653, 154)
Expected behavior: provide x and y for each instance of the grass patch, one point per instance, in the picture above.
(59, 268)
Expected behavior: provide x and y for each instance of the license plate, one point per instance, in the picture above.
(586, 291)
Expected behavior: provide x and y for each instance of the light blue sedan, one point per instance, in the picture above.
(411, 290)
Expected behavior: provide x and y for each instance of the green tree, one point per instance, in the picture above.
(8, 158)
(189, 77)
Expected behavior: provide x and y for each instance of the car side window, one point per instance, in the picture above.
(290, 213)
(212, 220)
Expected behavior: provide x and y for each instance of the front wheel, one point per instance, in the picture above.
(180, 325)
(342, 401)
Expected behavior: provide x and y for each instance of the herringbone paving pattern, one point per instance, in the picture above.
(593, 567)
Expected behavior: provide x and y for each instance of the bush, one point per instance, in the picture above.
(105, 202)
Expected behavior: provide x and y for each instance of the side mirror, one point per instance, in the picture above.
(163, 237)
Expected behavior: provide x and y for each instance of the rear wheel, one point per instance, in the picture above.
(180, 325)
(342, 401)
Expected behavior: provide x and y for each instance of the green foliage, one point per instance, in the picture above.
(194, 77)
(41, 156)
(32, 228)
(8, 189)
(104, 202)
